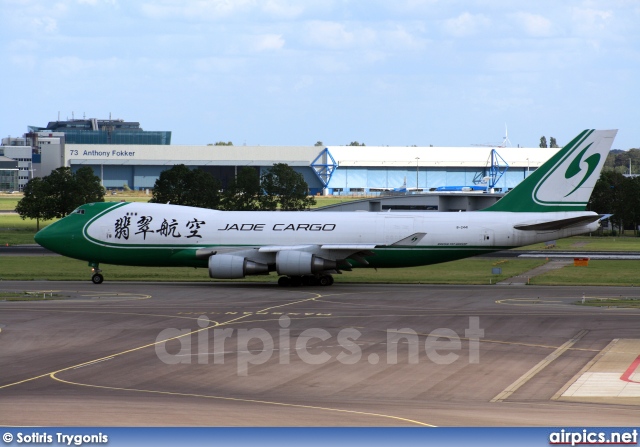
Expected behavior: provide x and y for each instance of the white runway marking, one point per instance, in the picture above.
(615, 374)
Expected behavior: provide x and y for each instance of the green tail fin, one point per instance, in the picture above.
(565, 181)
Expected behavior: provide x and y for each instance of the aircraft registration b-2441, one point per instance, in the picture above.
(308, 247)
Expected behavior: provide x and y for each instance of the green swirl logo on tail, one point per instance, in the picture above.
(574, 168)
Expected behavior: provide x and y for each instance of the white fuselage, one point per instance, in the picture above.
(138, 224)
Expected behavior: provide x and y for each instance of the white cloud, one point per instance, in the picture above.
(337, 36)
(534, 25)
(283, 8)
(23, 46)
(329, 63)
(77, 65)
(403, 38)
(466, 24)
(216, 64)
(195, 9)
(444, 53)
(411, 6)
(589, 20)
(268, 42)
(303, 83)
(23, 61)
(95, 2)
(46, 24)
(204, 10)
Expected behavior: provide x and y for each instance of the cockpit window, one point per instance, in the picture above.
(78, 211)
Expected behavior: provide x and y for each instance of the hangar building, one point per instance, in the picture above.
(121, 153)
(332, 169)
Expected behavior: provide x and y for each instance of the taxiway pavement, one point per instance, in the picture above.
(233, 354)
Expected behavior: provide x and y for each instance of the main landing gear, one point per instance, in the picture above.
(97, 277)
(309, 280)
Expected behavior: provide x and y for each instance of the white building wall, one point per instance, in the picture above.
(22, 154)
(52, 152)
(345, 156)
(359, 168)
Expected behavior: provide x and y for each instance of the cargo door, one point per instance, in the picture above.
(397, 228)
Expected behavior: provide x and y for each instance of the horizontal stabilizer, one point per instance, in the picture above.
(558, 224)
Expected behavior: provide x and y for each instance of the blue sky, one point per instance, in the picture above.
(292, 72)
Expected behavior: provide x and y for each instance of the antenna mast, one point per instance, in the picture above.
(506, 142)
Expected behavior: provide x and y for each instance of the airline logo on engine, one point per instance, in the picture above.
(279, 227)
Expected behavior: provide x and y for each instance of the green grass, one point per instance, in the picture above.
(598, 273)
(16, 231)
(29, 296)
(332, 200)
(591, 243)
(55, 268)
(14, 222)
(467, 271)
(630, 303)
(16, 238)
(9, 202)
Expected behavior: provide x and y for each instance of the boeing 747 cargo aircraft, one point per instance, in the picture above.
(308, 248)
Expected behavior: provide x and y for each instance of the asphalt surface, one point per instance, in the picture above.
(98, 355)
(25, 250)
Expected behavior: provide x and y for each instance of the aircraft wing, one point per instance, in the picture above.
(348, 247)
(328, 251)
(334, 252)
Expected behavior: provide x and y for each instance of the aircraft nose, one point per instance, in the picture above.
(43, 237)
(52, 237)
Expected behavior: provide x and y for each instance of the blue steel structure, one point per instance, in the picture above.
(324, 165)
(495, 169)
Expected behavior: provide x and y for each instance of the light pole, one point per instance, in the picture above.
(417, 161)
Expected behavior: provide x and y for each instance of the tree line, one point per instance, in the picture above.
(623, 161)
(552, 142)
(59, 193)
(618, 195)
(280, 187)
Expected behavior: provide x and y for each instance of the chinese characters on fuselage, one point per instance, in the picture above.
(168, 228)
(191, 229)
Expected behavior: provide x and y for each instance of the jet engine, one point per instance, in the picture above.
(296, 263)
(234, 267)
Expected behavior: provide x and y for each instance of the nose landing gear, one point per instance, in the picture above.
(97, 277)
